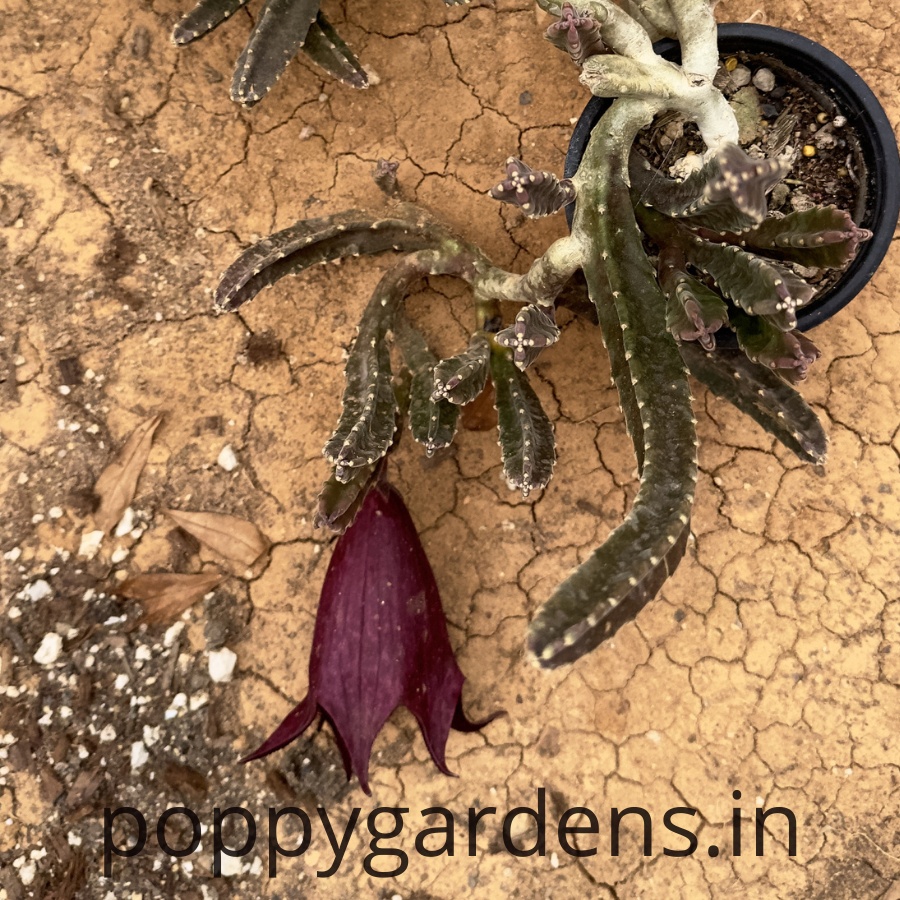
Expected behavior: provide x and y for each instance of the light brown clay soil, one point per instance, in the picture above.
(769, 664)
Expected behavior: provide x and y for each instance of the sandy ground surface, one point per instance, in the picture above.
(770, 664)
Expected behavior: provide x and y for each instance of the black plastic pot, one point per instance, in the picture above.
(841, 91)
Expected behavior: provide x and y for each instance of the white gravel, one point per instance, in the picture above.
(221, 664)
(227, 459)
(37, 590)
(90, 544)
(139, 755)
(764, 80)
(126, 523)
(49, 651)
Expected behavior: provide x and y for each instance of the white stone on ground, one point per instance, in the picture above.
(221, 664)
(139, 755)
(172, 633)
(740, 76)
(227, 460)
(231, 866)
(764, 80)
(126, 523)
(90, 544)
(49, 651)
(118, 555)
(37, 590)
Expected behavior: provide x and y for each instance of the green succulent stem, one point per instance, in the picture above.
(526, 433)
(757, 391)
(620, 577)
(543, 281)
(712, 236)
(432, 422)
(365, 429)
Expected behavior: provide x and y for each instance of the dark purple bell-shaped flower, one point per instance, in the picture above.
(380, 642)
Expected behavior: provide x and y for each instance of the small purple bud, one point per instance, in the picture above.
(533, 330)
(791, 356)
(385, 176)
(535, 193)
(380, 642)
(576, 33)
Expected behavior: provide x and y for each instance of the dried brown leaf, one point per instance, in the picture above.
(72, 879)
(165, 596)
(235, 539)
(84, 787)
(184, 780)
(117, 483)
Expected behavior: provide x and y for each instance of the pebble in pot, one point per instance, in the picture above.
(764, 80)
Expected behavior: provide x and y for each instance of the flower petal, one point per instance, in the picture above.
(381, 638)
(380, 642)
(293, 725)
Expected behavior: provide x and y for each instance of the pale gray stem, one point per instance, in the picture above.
(697, 36)
(682, 88)
(657, 13)
(713, 115)
(633, 10)
(618, 76)
(621, 123)
(541, 284)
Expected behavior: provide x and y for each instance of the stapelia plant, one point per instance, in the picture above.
(665, 266)
(283, 28)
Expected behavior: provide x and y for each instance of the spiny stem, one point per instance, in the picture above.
(619, 578)
(433, 421)
(762, 395)
(367, 424)
(541, 283)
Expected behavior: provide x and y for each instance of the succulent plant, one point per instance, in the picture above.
(283, 29)
(662, 266)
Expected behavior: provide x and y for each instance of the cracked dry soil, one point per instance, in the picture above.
(770, 664)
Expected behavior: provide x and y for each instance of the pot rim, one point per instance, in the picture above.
(853, 98)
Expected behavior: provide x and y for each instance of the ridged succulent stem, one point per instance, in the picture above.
(653, 13)
(635, 71)
(433, 422)
(607, 317)
(757, 391)
(541, 284)
(347, 234)
(366, 427)
(618, 579)
(639, 16)
(621, 33)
